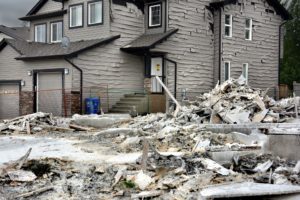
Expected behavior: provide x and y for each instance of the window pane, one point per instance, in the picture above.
(247, 23)
(56, 32)
(59, 31)
(247, 34)
(95, 12)
(40, 33)
(227, 30)
(155, 15)
(76, 16)
(227, 19)
(226, 72)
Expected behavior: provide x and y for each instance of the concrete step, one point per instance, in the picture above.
(134, 95)
(136, 99)
(118, 110)
(122, 107)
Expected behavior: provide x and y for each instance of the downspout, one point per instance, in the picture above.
(220, 45)
(166, 15)
(279, 52)
(81, 81)
(175, 78)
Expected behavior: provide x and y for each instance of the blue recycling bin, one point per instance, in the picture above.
(92, 105)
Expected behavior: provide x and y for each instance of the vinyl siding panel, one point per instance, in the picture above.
(262, 52)
(87, 32)
(107, 66)
(50, 6)
(192, 46)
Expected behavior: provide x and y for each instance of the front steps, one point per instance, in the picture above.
(131, 103)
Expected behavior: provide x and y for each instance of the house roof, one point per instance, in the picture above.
(35, 50)
(280, 9)
(147, 41)
(44, 15)
(21, 33)
(37, 7)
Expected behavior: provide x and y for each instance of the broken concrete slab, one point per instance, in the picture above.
(247, 189)
(100, 121)
(21, 176)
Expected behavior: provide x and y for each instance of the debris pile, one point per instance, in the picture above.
(234, 102)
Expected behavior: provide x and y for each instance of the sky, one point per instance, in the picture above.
(11, 10)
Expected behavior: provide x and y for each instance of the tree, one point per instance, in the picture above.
(290, 67)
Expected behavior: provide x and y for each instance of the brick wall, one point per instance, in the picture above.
(26, 102)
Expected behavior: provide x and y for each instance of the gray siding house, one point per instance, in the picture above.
(122, 45)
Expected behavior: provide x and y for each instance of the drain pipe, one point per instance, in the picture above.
(279, 52)
(175, 80)
(81, 81)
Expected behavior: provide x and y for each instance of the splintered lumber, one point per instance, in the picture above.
(15, 165)
(55, 128)
(79, 128)
(145, 154)
(35, 192)
(178, 106)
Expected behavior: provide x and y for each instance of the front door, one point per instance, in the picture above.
(156, 70)
(49, 95)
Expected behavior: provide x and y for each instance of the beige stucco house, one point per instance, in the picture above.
(121, 45)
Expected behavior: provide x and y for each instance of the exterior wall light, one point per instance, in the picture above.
(22, 83)
(67, 71)
(29, 73)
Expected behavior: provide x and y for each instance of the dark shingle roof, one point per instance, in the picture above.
(55, 13)
(148, 41)
(35, 50)
(20, 33)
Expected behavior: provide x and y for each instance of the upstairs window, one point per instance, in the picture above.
(248, 29)
(226, 70)
(56, 31)
(228, 25)
(95, 13)
(40, 33)
(245, 72)
(76, 15)
(155, 15)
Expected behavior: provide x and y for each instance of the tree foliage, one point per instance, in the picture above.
(290, 67)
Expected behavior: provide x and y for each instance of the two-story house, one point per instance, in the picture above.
(124, 44)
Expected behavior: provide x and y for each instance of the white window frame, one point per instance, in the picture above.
(80, 6)
(228, 25)
(248, 29)
(229, 68)
(150, 15)
(51, 31)
(245, 66)
(35, 32)
(89, 12)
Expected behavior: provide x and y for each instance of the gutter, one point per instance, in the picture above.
(175, 81)
(279, 52)
(81, 81)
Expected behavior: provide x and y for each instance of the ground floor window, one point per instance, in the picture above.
(245, 72)
(226, 70)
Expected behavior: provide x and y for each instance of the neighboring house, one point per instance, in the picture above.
(124, 44)
(20, 33)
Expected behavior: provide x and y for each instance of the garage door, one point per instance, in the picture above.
(49, 92)
(9, 100)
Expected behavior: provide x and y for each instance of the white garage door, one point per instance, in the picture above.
(49, 95)
(9, 100)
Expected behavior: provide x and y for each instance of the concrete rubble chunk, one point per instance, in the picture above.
(21, 176)
(142, 180)
(247, 189)
(214, 166)
(263, 167)
(100, 121)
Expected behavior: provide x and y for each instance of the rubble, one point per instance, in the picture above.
(157, 156)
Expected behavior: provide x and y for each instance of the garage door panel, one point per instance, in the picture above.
(9, 100)
(49, 95)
